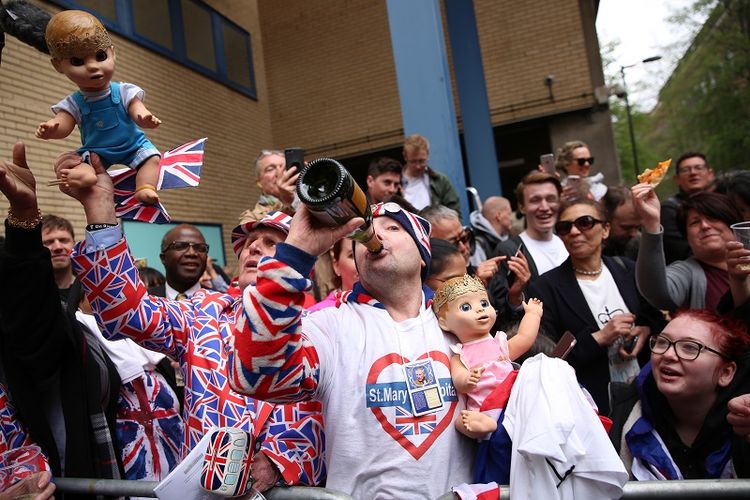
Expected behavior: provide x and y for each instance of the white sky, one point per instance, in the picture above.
(643, 31)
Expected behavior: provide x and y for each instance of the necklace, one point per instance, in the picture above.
(589, 273)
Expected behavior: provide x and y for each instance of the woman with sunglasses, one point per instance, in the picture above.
(671, 423)
(575, 161)
(595, 298)
(700, 281)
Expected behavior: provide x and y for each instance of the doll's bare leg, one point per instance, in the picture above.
(475, 424)
(145, 181)
(80, 176)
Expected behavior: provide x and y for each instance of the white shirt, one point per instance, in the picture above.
(374, 447)
(417, 190)
(546, 254)
(604, 301)
(172, 293)
(549, 420)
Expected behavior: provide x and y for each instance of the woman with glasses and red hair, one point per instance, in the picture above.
(595, 298)
(671, 423)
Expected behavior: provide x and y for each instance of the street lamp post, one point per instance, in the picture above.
(627, 109)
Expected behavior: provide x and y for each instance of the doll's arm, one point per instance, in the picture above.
(527, 330)
(141, 115)
(58, 127)
(464, 380)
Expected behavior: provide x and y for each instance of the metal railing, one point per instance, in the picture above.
(119, 487)
(663, 490)
(634, 490)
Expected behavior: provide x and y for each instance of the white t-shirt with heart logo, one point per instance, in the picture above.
(375, 447)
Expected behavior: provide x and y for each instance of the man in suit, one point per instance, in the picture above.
(184, 253)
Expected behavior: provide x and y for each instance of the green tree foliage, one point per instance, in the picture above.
(705, 104)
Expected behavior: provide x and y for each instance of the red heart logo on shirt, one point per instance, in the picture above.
(416, 450)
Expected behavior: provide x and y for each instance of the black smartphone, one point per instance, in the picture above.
(548, 163)
(629, 345)
(295, 157)
(518, 251)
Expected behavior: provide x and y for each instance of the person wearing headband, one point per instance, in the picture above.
(378, 361)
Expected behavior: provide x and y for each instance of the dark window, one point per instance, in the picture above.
(187, 31)
(106, 8)
(151, 20)
(199, 36)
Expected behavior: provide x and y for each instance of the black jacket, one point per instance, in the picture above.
(565, 309)
(46, 356)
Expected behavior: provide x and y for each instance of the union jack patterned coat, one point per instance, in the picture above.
(12, 433)
(198, 333)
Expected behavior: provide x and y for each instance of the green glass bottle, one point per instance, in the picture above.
(334, 198)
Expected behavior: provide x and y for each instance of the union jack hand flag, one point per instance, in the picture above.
(181, 167)
(126, 206)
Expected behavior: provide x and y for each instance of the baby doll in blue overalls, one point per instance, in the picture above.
(107, 113)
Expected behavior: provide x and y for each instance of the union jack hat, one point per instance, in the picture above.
(274, 220)
(418, 227)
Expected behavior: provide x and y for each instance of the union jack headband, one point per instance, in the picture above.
(274, 220)
(418, 227)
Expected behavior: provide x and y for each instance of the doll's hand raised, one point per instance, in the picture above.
(147, 120)
(533, 306)
(472, 378)
(47, 129)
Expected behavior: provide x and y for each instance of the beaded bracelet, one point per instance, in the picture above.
(14, 221)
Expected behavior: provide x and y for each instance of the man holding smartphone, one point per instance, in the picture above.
(276, 183)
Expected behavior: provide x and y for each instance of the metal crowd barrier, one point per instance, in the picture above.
(120, 487)
(662, 490)
(634, 490)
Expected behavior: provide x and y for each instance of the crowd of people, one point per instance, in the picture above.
(352, 369)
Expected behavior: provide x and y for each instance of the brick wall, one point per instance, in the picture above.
(332, 82)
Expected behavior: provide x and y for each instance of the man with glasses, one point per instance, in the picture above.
(184, 254)
(197, 332)
(424, 186)
(692, 174)
(447, 226)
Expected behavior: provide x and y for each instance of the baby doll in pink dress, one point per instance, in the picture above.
(480, 362)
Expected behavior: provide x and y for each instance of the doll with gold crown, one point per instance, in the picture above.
(480, 361)
(107, 113)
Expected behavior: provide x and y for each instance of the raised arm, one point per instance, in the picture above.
(651, 276)
(272, 360)
(110, 278)
(33, 322)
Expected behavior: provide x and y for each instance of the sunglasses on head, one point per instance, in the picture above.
(582, 161)
(583, 223)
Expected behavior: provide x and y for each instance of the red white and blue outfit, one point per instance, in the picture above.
(198, 333)
(12, 433)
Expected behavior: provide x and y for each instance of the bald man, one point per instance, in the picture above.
(490, 226)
